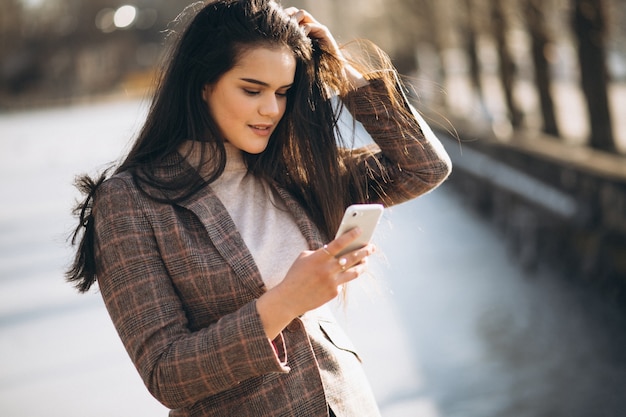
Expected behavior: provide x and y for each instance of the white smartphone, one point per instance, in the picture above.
(366, 217)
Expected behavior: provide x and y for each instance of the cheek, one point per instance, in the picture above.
(224, 108)
(234, 105)
(283, 107)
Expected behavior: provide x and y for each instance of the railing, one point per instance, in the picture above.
(557, 205)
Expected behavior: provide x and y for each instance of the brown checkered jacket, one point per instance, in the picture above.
(181, 286)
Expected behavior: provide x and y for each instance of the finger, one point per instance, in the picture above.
(350, 274)
(302, 16)
(343, 263)
(326, 251)
(294, 13)
(347, 266)
(333, 264)
(359, 256)
(315, 30)
(337, 245)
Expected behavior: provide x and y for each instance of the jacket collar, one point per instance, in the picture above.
(225, 237)
(223, 232)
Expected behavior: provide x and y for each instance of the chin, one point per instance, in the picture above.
(256, 150)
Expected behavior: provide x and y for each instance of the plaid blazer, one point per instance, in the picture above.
(181, 287)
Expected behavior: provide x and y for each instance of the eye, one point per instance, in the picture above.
(250, 92)
(283, 93)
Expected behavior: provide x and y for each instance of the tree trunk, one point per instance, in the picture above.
(472, 52)
(536, 24)
(507, 66)
(590, 29)
(431, 32)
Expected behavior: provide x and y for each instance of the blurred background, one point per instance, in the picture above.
(501, 293)
(519, 62)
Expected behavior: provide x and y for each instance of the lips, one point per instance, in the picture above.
(262, 129)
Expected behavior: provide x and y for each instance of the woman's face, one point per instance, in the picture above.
(249, 100)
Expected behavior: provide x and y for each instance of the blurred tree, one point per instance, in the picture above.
(410, 22)
(471, 48)
(536, 24)
(58, 49)
(432, 40)
(506, 64)
(589, 24)
(12, 62)
(399, 27)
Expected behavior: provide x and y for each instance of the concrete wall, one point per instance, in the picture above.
(557, 205)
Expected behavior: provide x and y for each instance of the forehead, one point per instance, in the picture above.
(270, 65)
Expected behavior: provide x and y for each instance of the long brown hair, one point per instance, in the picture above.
(302, 156)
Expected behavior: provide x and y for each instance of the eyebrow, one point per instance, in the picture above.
(262, 83)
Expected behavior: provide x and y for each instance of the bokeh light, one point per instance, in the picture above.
(104, 20)
(124, 16)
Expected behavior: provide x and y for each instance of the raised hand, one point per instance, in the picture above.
(321, 33)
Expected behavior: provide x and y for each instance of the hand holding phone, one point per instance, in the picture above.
(363, 216)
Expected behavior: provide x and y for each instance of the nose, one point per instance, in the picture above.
(270, 106)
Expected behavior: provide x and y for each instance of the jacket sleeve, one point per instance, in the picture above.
(179, 367)
(408, 159)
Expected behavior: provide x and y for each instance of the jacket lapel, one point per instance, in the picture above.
(224, 234)
(310, 232)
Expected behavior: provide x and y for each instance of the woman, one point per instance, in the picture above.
(208, 241)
